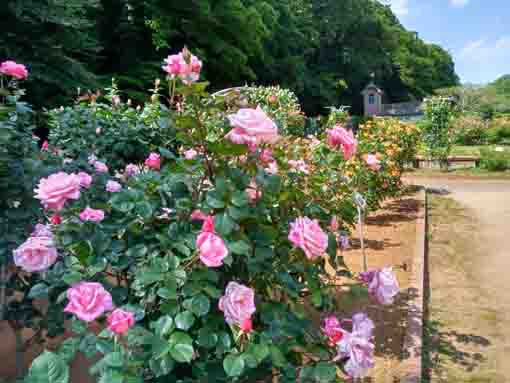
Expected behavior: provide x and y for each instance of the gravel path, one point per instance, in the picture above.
(487, 264)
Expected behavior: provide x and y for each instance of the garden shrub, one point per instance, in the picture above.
(499, 131)
(470, 130)
(437, 128)
(110, 128)
(493, 160)
(203, 261)
(281, 104)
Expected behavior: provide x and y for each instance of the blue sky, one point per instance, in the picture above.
(475, 32)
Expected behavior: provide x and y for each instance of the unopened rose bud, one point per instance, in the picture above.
(129, 101)
(158, 82)
(98, 131)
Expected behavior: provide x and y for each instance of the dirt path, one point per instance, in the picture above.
(469, 258)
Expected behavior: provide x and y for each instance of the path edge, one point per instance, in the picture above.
(413, 341)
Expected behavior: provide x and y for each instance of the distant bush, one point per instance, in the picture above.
(470, 130)
(499, 131)
(495, 161)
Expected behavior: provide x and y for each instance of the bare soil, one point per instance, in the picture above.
(390, 236)
(468, 321)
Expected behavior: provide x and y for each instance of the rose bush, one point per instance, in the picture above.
(204, 265)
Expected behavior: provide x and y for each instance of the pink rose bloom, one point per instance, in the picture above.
(308, 235)
(372, 162)
(299, 166)
(13, 69)
(45, 146)
(253, 192)
(332, 329)
(55, 190)
(339, 137)
(132, 170)
(100, 167)
(120, 321)
(211, 247)
(247, 326)
(113, 186)
(333, 225)
(153, 161)
(382, 285)
(238, 304)
(85, 180)
(272, 168)
(358, 347)
(93, 215)
(183, 65)
(266, 156)
(252, 127)
(197, 215)
(190, 154)
(88, 301)
(38, 252)
(56, 219)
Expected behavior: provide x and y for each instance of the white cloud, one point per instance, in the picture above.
(483, 60)
(459, 3)
(483, 50)
(399, 7)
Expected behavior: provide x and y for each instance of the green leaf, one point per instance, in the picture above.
(240, 247)
(163, 326)
(72, 277)
(48, 368)
(260, 351)
(214, 202)
(240, 198)
(332, 247)
(162, 367)
(167, 293)
(324, 372)
(181, 347)
(184, 320)
(200, 305)
(114, 359)
(233, 365)
(40, 290)
(207, 338)
(138, 251)
(223, 224)
(277, 356)
(68, 349)
(83, 250)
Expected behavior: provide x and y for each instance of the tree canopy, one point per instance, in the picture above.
(324, 50)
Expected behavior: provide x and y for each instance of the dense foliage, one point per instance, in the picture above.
(323, 50)
(208, 257)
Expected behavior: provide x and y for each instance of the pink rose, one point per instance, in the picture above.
(357, 346)
(88, 301)
(238, 304)
(100, 167)
(38, 252)
(299, 166)
(190, 154)
(372, 162)
(183, 65)
(253, 192)
(113, 186)
(339, 137)
(11, 68)
(308, 235)
(131, 170)
(211, 247)
(120, 321)
(55, 190)
(247, 326)
(56, 219)
(382, 285)
(45, 146)
(153, 161)
(93, 215)
(266, 156)
(333, 225)
(85, 180)
(332, 329)
(272, 168)
(197, 215)
(252, 127)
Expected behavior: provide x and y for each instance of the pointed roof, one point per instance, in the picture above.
(372, 87)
